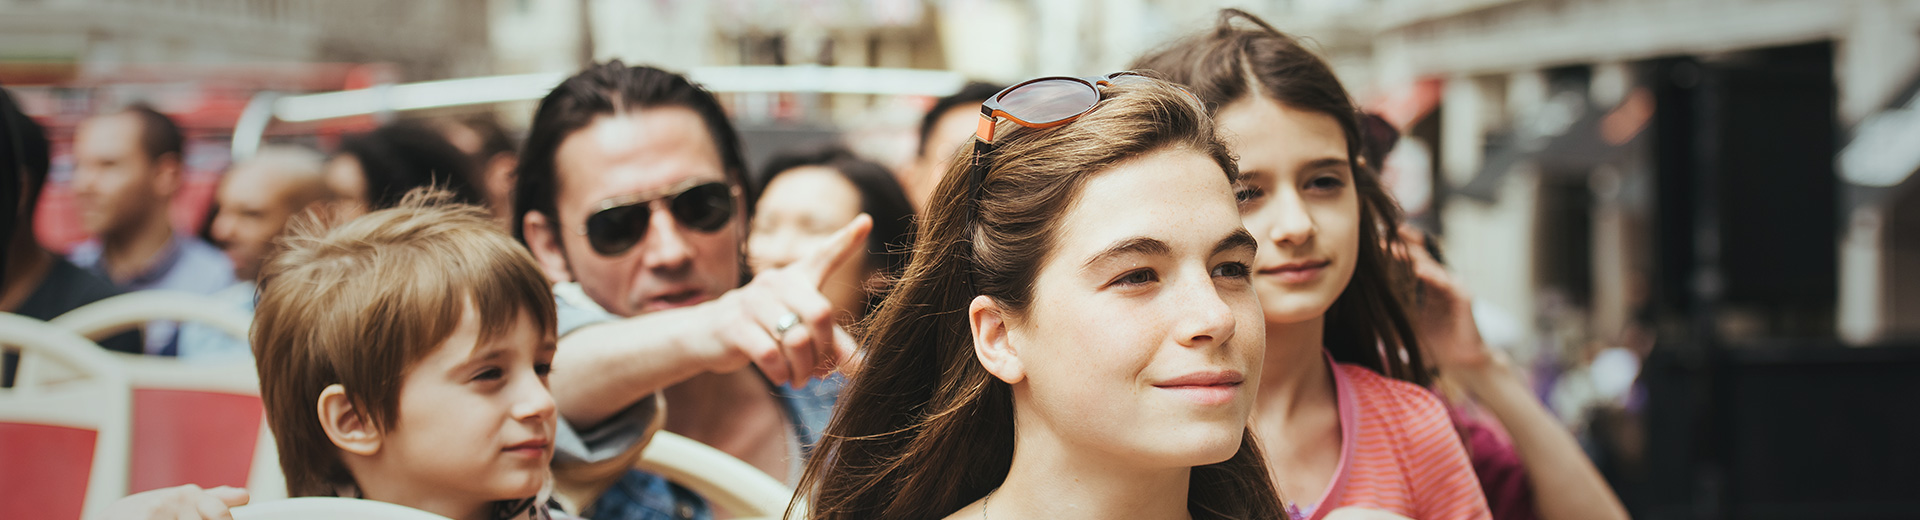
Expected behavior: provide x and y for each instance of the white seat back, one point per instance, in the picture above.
(107, 317)
(95, 396)
(104, 318)
(329, 508)
(726, 481)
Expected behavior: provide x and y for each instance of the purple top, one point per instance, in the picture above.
(1497, 463)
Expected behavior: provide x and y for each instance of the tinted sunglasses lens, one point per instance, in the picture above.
(615, 230)
(706, 207)
(1049, 100)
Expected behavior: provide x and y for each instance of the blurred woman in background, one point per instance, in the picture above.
(372, 171)
(803, 196)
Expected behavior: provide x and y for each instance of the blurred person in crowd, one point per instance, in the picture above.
(258, 196)
(489, 147)
(1077, 335)
(256, 199)
(805, 195)
(1349, 347)
(943, 130)
(127, 167)
(372, 171)
(629, 194)
(35, 282)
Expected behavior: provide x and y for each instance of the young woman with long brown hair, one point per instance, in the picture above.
(1076, 335)
(1330, 281)
(1343, 409)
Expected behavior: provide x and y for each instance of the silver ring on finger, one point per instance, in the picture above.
(787, 322)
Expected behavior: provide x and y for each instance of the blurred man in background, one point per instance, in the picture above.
(945, 127)
(34, 282)
(257, 198)
(127, 167)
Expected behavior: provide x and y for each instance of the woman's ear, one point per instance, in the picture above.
(346, 427)
(992, 341)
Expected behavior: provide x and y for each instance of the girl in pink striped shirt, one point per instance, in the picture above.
(1342, 412)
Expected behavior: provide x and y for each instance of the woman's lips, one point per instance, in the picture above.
(1205, 388)
(1296, 272)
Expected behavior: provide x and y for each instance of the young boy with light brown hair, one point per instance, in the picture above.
(403, 357)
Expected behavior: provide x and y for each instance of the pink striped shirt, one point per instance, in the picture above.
(1399, 452)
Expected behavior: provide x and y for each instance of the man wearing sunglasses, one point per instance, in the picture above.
(629, 195)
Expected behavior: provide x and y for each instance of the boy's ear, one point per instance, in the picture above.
(545, 245)
(346, 427)
(991, 341)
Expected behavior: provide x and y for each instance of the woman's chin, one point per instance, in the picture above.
(1294, 309)
(1199, 448)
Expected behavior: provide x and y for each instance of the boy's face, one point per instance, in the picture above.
(476, 421)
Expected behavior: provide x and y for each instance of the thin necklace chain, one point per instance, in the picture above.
(984, 502)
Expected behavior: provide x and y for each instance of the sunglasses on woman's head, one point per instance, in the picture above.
(1046, 102)
(1040, 103)
(705, 207)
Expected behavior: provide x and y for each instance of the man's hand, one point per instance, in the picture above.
(187, 502)
(780, 322)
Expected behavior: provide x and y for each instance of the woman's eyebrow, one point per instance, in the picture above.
(1127, 246)
(1239, 239)
(1324, 163)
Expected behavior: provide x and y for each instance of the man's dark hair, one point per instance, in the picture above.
(607, 89)
(396, 158)
(158, 134)
(881, 197)
(973, 93)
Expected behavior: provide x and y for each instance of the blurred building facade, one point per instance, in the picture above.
(64, 39)
(1753, 101)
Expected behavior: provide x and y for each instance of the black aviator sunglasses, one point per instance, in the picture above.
(622, 222)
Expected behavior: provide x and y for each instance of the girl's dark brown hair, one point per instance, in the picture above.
(924, 429)
(1367, 325)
